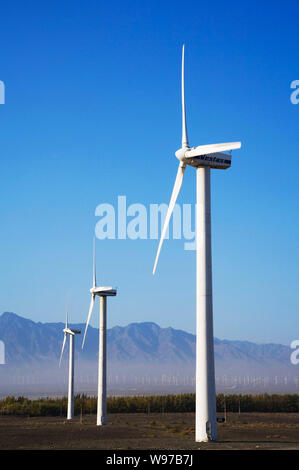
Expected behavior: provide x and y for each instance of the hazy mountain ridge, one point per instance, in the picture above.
(27, 341)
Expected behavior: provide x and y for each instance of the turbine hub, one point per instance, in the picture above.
(69, 331)
(180, 154)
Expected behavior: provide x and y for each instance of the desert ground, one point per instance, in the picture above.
(163, 431)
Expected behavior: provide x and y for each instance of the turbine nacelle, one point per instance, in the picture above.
(104, 290)
(68, 331)
(219, 161)
(208, 155)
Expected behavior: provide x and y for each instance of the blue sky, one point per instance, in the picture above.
(92, 111)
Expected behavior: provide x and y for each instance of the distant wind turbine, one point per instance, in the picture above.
(203, 158)
(103, 293)
(71, 332)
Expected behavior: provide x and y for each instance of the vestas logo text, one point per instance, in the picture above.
(207, 158)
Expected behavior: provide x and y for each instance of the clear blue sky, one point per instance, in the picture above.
(93, 111)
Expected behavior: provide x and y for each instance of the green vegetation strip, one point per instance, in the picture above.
(149, 404)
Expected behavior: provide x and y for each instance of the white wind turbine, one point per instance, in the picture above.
(203, 158)
(71, 332)
(103, 293)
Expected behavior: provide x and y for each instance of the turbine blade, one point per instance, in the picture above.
(94, 264)
(62, 349)
(66, 317)
(174, 195)
(185, 143)
(88, 318)
(213, 148)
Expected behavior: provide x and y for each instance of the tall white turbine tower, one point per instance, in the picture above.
(103, 293)
(203, 158)
(71, 332)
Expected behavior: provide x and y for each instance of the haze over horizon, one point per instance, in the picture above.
(92, 112)
(140, 356)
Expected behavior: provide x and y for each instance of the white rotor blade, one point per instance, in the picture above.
(88, 318)
(94, 264)
(174, 195)
(185, 143)
(213, 148)
(62, 349)
(66, 317)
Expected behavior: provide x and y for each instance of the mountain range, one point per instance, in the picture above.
(27, 342)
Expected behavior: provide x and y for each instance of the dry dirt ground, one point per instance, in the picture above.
(168, 431)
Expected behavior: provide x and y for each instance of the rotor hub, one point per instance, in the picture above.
(180, 154)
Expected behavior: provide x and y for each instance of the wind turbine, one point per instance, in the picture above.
(103, 293)
(203, 158)
(71, 332)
